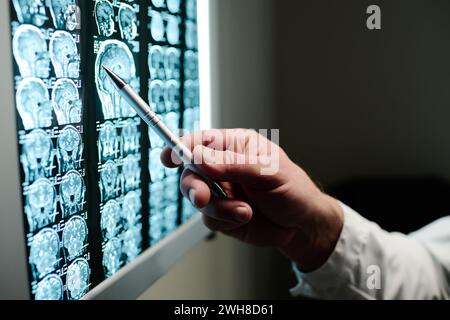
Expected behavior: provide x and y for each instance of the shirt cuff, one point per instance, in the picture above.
(337, 274)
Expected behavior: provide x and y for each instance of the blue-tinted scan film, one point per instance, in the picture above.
(191, 115)
(46, 44)
(95, 194)
(117, 46)
(173, 42)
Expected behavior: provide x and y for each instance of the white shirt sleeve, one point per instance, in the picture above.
(370, 263)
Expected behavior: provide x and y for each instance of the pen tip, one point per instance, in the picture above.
(116, 79)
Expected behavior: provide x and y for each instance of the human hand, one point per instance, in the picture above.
(279, 208)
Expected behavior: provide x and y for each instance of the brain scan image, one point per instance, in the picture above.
(173, 30)
(130, 138)
(33, 104)
(30, 52)
(172, 121)
(155, 139)
(191, 9)
(172, 63)
(69, 149)
(30, 11)
(189, 119)
(66, 102)
(192, 119)
(156, 227)
(158, 3)
(51, 288)
(117, 57)
(112, 254)
(156, 167)
(74, 237)
(174, 6)
(104, 16)
(157, 200)
(172, 188)
(44, 252)
(64, 55)
(110, 182)
(111, 220)
(37, 155)
(72, 191)
(191, 35)
(108, 142)
(131, 172)
(78, 275)
(132, 239)
(128, 22)
(65, 14)
(156, 63)
(157, 28)
(157, 96)
(191, 65)
(172, 96)
(131, 208)
(40, 204)
(191, 94)
(170, 218)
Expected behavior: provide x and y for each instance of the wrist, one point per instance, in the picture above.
(314, 241)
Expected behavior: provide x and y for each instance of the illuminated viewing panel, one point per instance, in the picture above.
(95, 194)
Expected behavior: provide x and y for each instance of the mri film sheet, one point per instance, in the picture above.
(191, 90)
(117, 46)
(46, 41)
(165, 50)
(94, 191)
(173, 69)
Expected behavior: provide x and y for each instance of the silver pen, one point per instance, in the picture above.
(155, 123)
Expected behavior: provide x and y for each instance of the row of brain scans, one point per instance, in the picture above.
(33, 56)
(41, 199)
(119, 136)
(65, 14)
(112, 145)
(164, 63)
(105, 18)
(163, 207)
(45, 46)
(165, 27)
(118, 177)
(174, 7)
(191, 115)
(36, 107)
(47, 254)
(121, 230)
(38, 153)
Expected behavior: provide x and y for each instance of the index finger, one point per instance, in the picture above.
(235, 140)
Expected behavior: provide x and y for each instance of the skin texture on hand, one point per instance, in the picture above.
(284, 210)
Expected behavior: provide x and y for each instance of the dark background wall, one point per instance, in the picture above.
(354, 102)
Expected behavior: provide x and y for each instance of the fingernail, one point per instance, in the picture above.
(241, 214)
(192, 197)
